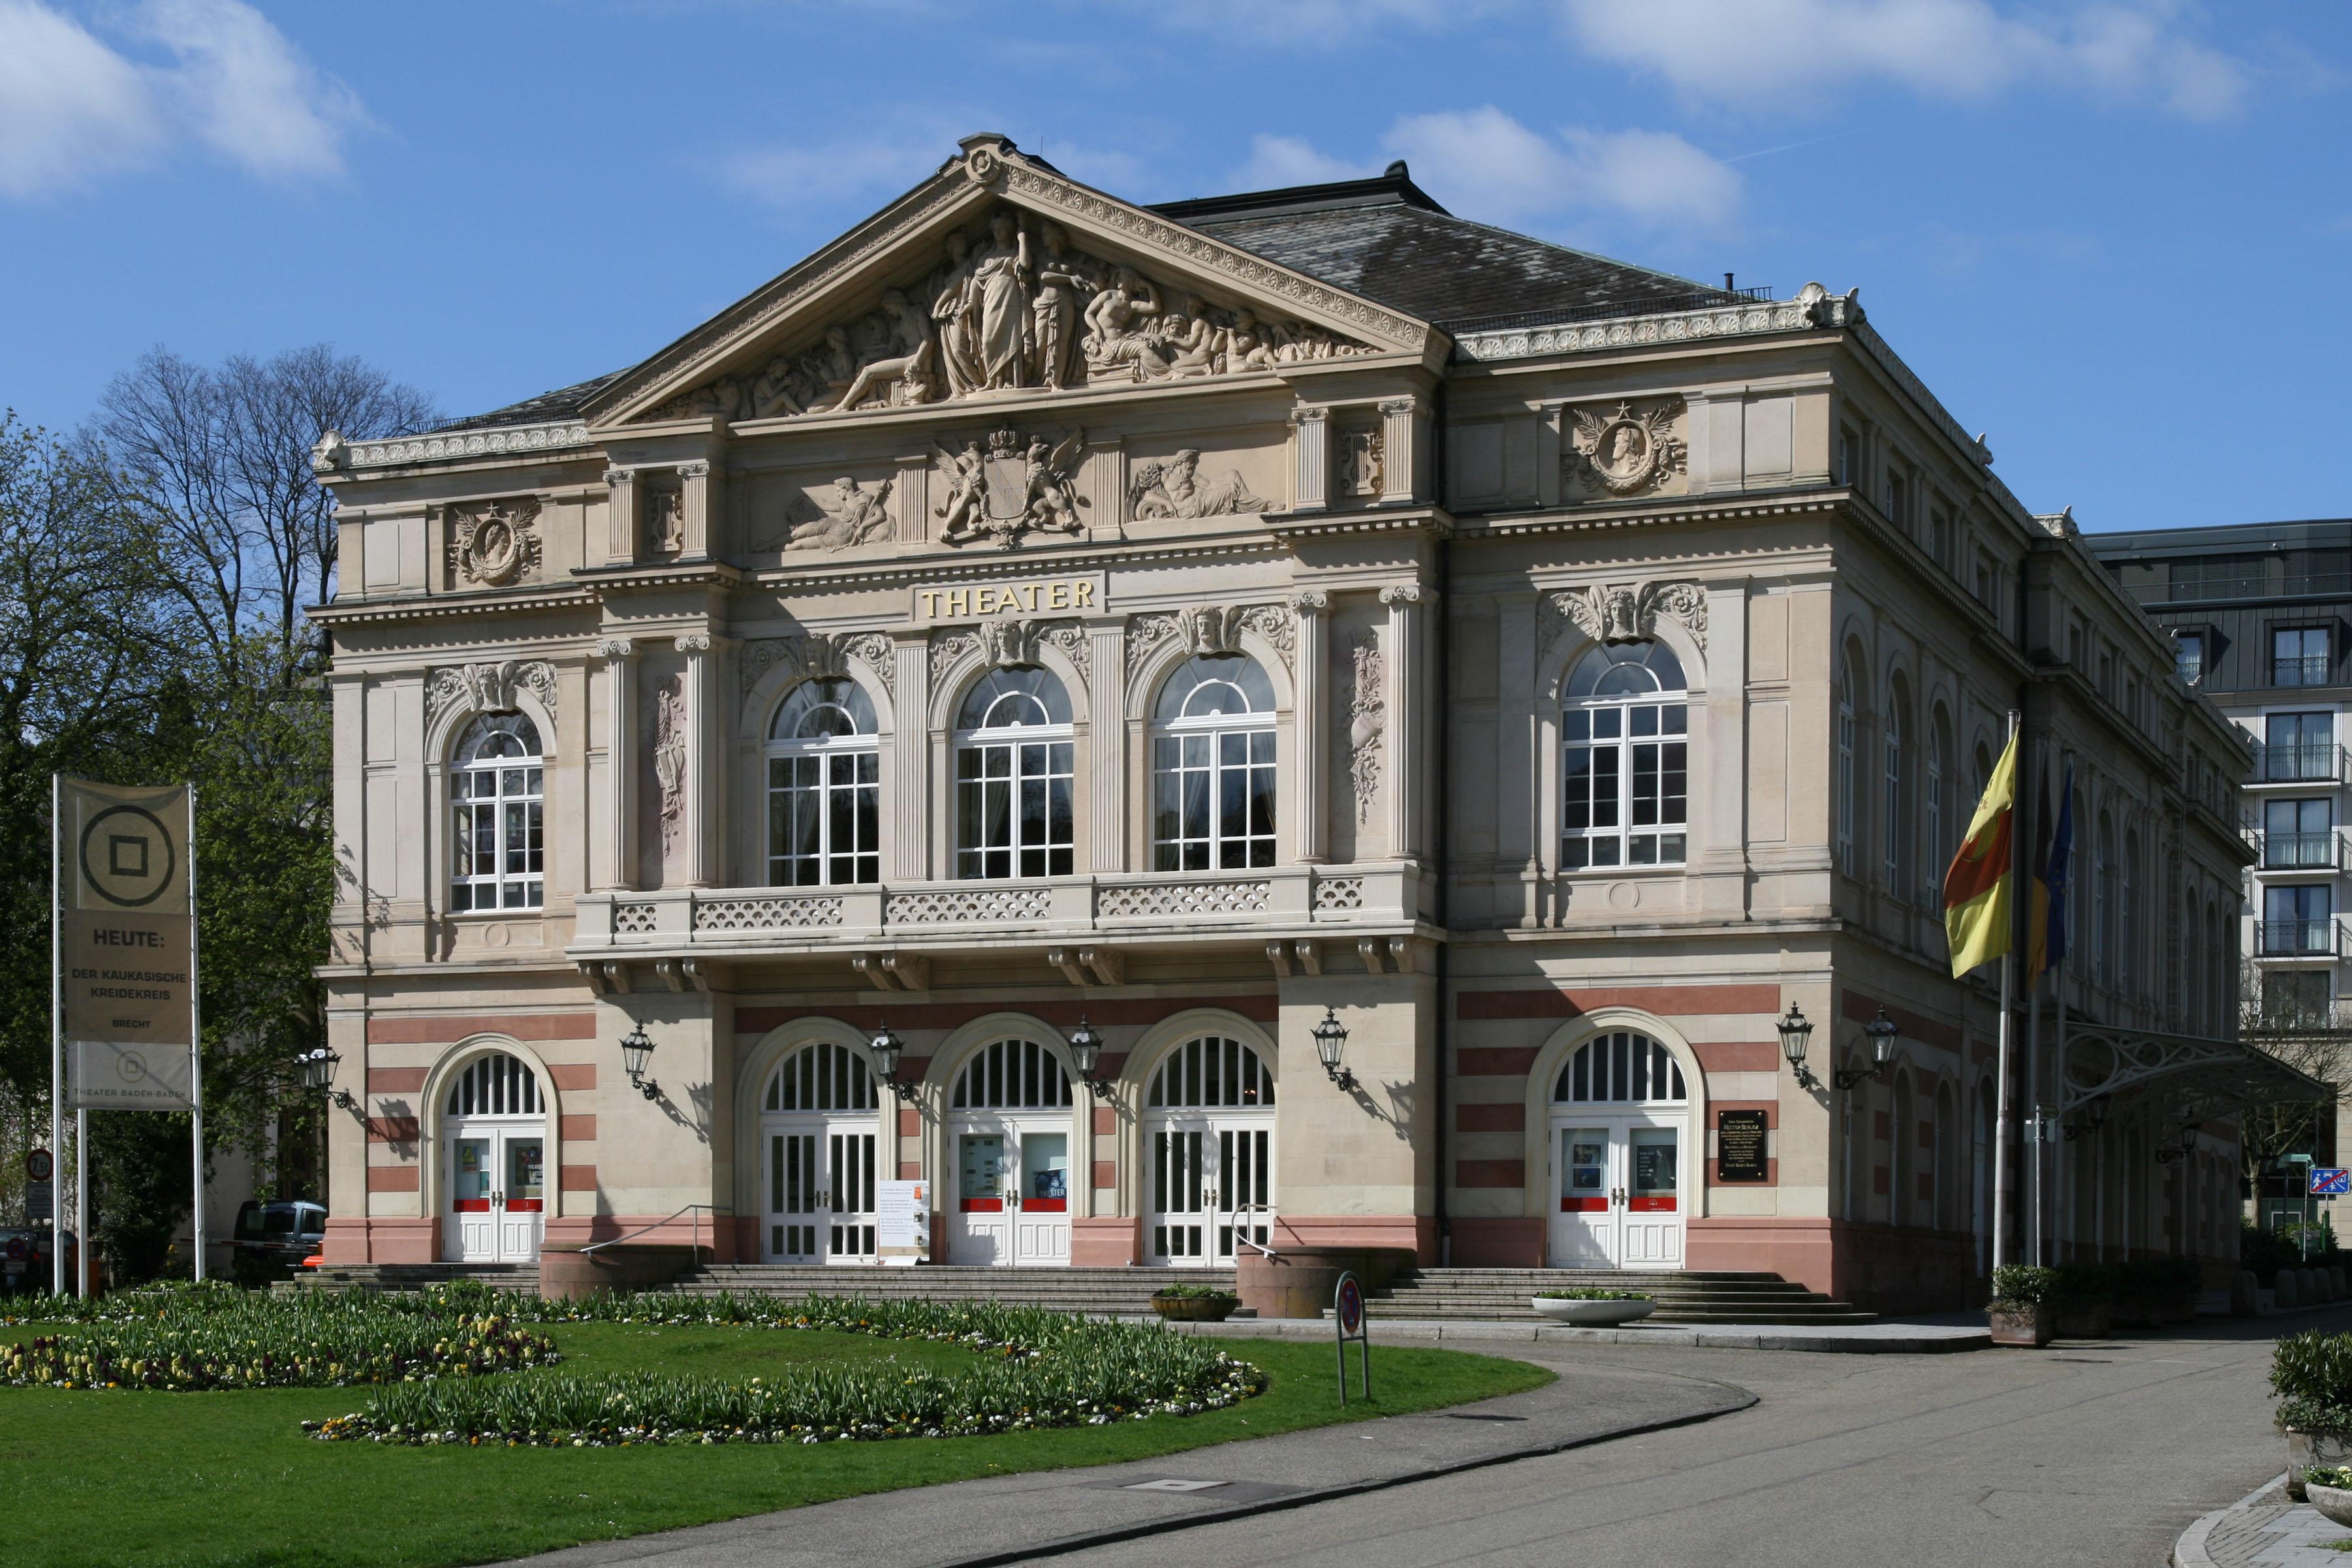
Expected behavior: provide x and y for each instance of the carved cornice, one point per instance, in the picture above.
(333, 453)
(1814, 308)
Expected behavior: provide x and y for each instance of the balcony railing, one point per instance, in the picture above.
(1289, 898)
(2300, 851)
(2297, 939)
(2297, 761)
(2303, 670)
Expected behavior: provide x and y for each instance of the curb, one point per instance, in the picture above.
(1757, 1337)
(1310, 1497)
(2188, 1552)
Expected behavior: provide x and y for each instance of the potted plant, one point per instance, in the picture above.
(1593, 1309)
(2328, 1489)
(2084, 1300)
(1194, 1303)
(2019, 1311)
(2311, 1377)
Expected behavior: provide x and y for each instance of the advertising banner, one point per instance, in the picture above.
(903, 1217)
(127, 945)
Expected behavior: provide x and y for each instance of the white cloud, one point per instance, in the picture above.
(1484, 163)
(1275, 162)
(1780, 50)
(802, 174)
(73, 108)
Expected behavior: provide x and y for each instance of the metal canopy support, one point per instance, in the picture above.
(2135, 1065)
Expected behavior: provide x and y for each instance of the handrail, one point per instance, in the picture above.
(693, 1208)
(1240, 1240)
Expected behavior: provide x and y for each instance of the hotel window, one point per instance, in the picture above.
(1013, 777)
(2188, 656)
(824, 787)
(2298, 835)
(496, 794)
(2298, 748)
(2298, 920)
(1626, 766)
(2299, 656)
(1212, 772)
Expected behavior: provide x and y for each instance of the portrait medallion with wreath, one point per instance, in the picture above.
(497, 545)
(1624, 452)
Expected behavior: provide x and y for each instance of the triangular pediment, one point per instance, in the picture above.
(997, 276)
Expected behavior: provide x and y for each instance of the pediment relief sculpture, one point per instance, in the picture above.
(819, 656)
(1017, 485)
(1622, 613)
(1011, 307)
(1626, 452)
(495, 544)
(858, 515)
(487, 688)
(1172, 487)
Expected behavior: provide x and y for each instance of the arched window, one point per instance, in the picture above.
(1013, 776)
(1938, 852)
(1849, 784)
(1622, 1068)
(495, 1085)
(1213, 767)
(1897, 819)
(496, 794)
(1012, 1075)
(824, 786)
(1625, 773)
(1211, 1072)
(2127, 891)
(822, 1078)
(2103, 905)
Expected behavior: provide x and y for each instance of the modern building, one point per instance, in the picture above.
(2256, 615)
(1087, 647)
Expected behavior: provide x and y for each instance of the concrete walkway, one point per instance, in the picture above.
(1012, 1518)
(2262, 1530)
(1916, 1337)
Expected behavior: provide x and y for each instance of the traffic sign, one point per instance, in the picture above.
(39, 1165)
(2330, 1180)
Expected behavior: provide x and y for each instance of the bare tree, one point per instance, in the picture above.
(223, 456)
(2309, 1035)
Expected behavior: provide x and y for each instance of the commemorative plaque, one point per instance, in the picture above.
(1739, 1146)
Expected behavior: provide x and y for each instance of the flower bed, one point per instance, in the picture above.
(1592, 1296)
(186, 1340)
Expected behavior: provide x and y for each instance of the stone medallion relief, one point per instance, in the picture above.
(1624, 451)
(495, 545)
(1011, 306)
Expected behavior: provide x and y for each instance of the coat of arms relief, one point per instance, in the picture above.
(1011, 307)
(1624, 451)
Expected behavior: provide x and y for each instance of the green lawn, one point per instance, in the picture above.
(96, 1479)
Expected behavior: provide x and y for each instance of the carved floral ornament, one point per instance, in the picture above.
(495, 545)
(1007, 644)
(1012, 306)
(821, 655)
(1210, 629)
(1624, 452)
(487, 688)
(1616, 613)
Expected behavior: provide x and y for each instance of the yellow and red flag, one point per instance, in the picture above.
(1977, 887)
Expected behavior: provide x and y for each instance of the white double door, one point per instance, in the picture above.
(497, 1190)
(1012, 1202)
(1620, 1191)
(1208, 1186)
(820, 1189)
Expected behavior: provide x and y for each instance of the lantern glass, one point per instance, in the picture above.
(319, 1068)
(1883, 1032)
(886, 1047)
(1330, 1039)
(1796, 1034)
(636, 1049)
(1085, 1050)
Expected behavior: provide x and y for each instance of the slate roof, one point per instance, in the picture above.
(1384, 238)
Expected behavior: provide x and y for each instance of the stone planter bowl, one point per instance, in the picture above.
(1592, 1314)
(2310, 1450)
(2333, 1502)
(1195, 1309)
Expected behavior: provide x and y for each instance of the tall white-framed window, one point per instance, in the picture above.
(1013, 777)
(1849, 784)
(824, 786)
(1625, 766)
(495, 796)
(1937, 853)
(1213, 771)
(1895, 817)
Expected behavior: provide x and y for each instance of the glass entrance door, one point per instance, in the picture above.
(1013, 1194)
(473, 1212)
(821, 1193)
(1618, 1189)
(496, 1193)
(522, 1195)
(1209, 1187)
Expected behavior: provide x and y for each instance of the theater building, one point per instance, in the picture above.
(1035, 619)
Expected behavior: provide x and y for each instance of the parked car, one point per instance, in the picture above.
(271, 1239)
(24, 1257)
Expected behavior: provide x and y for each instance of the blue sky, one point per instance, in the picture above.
(2117, 235)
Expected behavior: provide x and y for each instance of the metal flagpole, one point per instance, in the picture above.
(2033, 1006)
(81, 1202)
(195, 1044)
(56, 1040)
(2000, 1137)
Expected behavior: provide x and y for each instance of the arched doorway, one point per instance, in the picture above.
(819, 1123)
(1008, 1143)
(494, 1128)
(1619, 1144)
(1208, 1150)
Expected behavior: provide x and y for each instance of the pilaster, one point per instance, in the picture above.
(911, 759)
(703, 809)
(621, 516)
(1310, 446)
(1106, 743)
(697, 495)
(1401, 459)
(620, 656)
(1311, 721)
(1720, 854)
(1404, 601)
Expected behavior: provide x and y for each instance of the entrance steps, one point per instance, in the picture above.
(1682, 1296)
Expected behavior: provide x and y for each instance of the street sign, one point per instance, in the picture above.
(1348, 1317)
(2330, 1180)
(39, 1165)
(40, 1200)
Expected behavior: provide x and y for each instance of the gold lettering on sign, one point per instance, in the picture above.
(1069, 595)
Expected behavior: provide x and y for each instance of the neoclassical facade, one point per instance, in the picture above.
(1035, 617)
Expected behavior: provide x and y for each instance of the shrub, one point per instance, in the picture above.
(1193, 1293)
(2018, 1287)
(2311, 1376)
(2074, 1284)
(1592, 1296)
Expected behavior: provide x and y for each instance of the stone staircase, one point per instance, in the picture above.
(1682, 1296)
